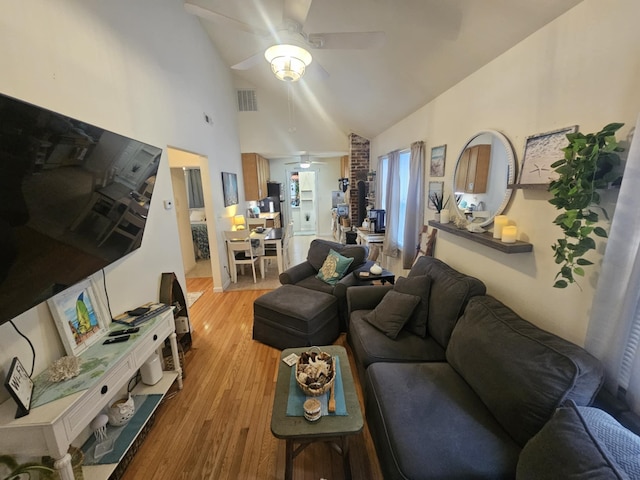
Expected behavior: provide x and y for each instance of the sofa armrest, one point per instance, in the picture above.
(365, 297)
(297, 273)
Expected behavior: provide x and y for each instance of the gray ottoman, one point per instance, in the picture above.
(292, 316)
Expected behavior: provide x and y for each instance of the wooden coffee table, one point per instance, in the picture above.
(298, 432)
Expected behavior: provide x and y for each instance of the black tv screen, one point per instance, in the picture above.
(73, 198)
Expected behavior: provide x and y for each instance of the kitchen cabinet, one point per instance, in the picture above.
(473, 169)
(255, 170)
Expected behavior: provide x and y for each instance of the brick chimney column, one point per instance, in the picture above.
(359, 149)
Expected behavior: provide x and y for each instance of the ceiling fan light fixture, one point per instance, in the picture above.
(288, 62)
(304, 164)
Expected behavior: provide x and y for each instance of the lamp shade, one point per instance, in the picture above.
(288, 62)
(238, 222)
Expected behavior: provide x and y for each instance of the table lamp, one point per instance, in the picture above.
(238, 222)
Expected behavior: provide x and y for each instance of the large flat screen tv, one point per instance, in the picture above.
(73, 199)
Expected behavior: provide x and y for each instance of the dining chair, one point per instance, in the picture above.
(129, 224)
(243, 250)
(256, 222)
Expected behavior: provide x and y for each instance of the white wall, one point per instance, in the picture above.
(580, 69)
(144, 69)
(267, 131)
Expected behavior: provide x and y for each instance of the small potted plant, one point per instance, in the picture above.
(439, 203)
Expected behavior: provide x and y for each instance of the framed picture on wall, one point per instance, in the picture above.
(540, 151)
(80, 316)
(438, 155)
(230, 188)
(436, 188)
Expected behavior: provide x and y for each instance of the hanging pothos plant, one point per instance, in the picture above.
(590, 163)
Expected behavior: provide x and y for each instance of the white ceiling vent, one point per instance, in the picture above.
(247, 101)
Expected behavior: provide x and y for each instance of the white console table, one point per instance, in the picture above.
(50, 429)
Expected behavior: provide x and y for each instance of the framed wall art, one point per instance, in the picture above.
(230, 188)
(80, 316)
(540, 151)
(436, 188)
(438, 156)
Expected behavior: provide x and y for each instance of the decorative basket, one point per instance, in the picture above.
(315, 372)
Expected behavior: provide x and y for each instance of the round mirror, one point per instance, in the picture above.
(486, 165)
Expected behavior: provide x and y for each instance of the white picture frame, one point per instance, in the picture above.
(540, 151)
(438, 156)
(80, 316)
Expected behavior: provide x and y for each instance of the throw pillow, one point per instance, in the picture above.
(582, 443)
(393, 311)
(334, 267)
(420, 286)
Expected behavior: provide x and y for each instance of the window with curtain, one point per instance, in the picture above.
(614, 327)
(400, 209)
(195, 196)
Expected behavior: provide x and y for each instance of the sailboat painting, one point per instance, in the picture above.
(78, 317)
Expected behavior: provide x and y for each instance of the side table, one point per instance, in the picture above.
(365, 278)
(330, 428)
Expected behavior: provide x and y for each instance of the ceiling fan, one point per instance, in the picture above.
(305, 162)
(291, 31)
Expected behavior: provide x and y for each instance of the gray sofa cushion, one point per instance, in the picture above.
(450, 292)
(419, 285)
(520, 372)
(393, 312)
(370, 345)
(428, 424)
(581, 443)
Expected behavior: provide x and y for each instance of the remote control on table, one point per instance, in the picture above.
(121, 338)
(124, 331)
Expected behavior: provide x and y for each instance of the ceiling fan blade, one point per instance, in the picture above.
(221, 19)
(347, 40)
(248, 63)
(296, 10)
(317, 70)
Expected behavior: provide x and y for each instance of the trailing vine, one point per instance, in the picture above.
(589, 164)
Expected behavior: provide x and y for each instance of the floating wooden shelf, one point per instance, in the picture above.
(485, 238)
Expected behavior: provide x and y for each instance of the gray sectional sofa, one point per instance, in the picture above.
(464, 399)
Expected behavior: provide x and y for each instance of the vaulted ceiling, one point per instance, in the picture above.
(428, 46)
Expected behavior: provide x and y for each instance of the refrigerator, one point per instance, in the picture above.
(275, 197)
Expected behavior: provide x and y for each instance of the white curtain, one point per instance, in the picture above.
(614, 328)
(414, 215)
(392, 204)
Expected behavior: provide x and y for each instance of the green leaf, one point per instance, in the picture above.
(557, 163)
(560, 284)
(584, 261)
(579, 271)
(588, 243)
(601, 232)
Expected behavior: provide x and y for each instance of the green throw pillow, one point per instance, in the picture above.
(334, 267)
(393, 311)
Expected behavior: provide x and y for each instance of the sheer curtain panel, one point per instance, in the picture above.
(414, 215)
(614, 328)
(392, 204)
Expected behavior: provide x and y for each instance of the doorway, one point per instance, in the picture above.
(303, 204)
(196, 225)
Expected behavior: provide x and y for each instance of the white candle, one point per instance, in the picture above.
(498, 224)
(509, 233)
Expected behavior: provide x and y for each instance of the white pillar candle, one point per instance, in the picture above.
(445, 216)
(509, 233)
(499, 223)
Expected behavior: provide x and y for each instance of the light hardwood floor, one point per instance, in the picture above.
(218, 426)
